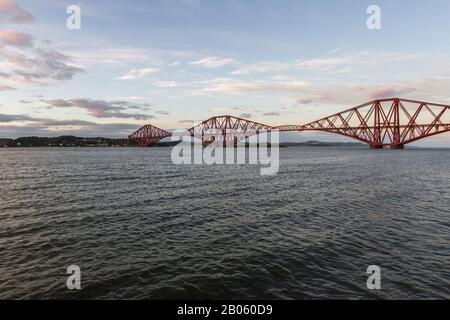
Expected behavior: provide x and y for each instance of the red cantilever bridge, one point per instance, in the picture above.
(380, 123)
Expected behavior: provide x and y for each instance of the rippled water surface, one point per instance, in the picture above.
(141, 227)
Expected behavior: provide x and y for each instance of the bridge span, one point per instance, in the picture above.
(391, 123)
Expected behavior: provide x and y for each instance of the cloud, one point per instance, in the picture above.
(14, 38)
(10, 11)
(212, 62)
(122, 57)
(37, 66)
(305, 101)
(134, 98)
(245, 115)
(138, 74)
(359, 61)
(261, 67)
(13, 117)
(275, 114)
(8, 118)
(61, 103)
(102, 108)
(387, 91)
(163, 112)
(235, 86)
(322, 63)
(16, 125)
(338, 94)
(5, 88)
(192, 3)
(166, 84)
(187, 121)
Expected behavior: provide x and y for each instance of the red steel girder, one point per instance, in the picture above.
(149, 135)
(391, 122)
(227, 129)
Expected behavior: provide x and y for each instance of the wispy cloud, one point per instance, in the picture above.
(304, 101)
(5, 88)
(236, 86)
(14, 38)
(11, 12)
(36, 65)
(271, 114)
(322, 63)
(353, 60)
(102, 108)
(15, 125)
(166, 84)
(138, 73)
(133, 98)
(213, 62)
(261, 67)
(192, 3)
(388, 91)
(187, 121)
(5, 118)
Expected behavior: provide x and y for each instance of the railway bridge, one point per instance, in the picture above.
(390, 123)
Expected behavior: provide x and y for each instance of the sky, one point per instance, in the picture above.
(173, 62)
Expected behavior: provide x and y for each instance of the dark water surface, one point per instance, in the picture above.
(141, 227)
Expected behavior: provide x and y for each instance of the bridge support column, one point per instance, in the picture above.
(397, 146)
(376, 146)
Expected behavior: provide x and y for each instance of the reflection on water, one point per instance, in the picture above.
(141, 227)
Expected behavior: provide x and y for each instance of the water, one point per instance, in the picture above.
(141, 227)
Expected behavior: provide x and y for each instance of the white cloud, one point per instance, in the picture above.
(345, 62)
(235, 86)
(213, 62)
(134, 98)
(138, 74)
(262, 67)
(87, 53)
(322, 63)
(166, 84)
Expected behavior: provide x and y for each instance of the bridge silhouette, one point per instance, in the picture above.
(391, 123)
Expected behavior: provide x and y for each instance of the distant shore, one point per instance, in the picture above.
(73, 141)
(65, 141)
(77, 142)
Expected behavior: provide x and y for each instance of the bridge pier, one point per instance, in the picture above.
(376, 146)
(397, 146)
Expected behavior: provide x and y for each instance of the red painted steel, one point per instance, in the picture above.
(227, 130)
(149, 135)
(380, 123)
